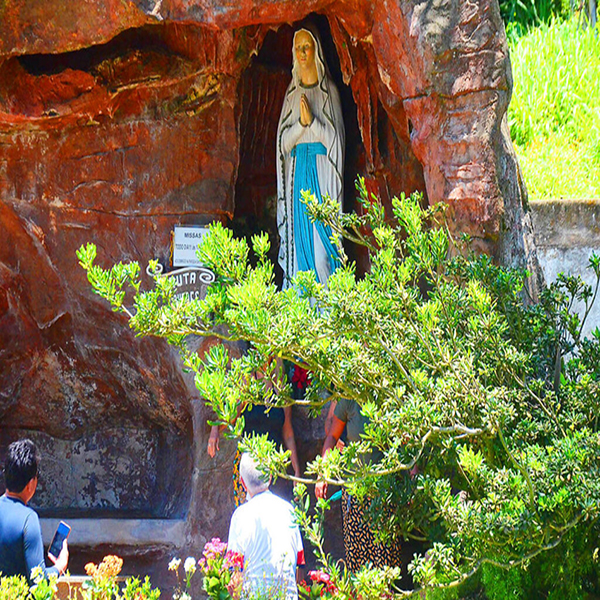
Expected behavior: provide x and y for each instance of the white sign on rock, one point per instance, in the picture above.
(185, 243)
(192, 282)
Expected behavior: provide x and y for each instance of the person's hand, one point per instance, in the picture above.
(63, 558)
(321, 489)
(306, 116)
(213, 443)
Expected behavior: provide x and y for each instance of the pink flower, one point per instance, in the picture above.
(325, 579)
(214, 548)
(319, 576)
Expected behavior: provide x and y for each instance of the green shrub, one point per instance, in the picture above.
(14, 588)
(505, 584)
(568, 571)
(493, 400)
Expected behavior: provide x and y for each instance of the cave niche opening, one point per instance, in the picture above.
(121, 471)
(378, 132)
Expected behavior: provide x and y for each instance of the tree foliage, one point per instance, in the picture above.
(483, 408)
(527, 13)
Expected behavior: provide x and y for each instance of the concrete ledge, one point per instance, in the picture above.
(566, 234)
(566, 223)
(119, 532)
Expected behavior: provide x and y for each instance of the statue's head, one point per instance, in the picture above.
(307, 53)
(304, 48)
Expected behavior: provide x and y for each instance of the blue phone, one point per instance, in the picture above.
(62, 533)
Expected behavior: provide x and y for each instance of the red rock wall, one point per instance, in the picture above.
(143, 142)
(120, 119)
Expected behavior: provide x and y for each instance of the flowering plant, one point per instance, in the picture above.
(321, 586)
(222, 570)
(103, 583)
(183, 585)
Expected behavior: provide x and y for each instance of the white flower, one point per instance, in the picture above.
(189, 566)
(37, 574)
(185, 596)
(174, 564)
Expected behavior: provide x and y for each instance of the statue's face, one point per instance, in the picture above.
(305, 49)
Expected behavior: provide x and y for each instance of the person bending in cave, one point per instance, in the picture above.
(310, 157)
(21, 546)
(275, 422)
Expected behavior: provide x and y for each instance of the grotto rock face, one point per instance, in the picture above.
(120, 119)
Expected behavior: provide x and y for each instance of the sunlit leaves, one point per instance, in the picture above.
(480, 448)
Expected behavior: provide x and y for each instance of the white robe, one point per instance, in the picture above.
(327, 127)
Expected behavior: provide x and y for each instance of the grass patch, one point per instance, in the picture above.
(554, 115)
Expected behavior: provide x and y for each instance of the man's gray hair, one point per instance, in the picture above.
(255, 480)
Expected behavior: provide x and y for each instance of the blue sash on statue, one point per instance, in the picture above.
(306, 178)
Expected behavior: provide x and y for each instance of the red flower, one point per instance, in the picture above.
(323, 578)
(234, 559)
(300, 377)
(330, 588)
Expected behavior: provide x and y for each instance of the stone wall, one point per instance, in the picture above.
(566, 233)
(116, 472)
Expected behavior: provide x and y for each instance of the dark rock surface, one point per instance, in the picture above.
(119, 120)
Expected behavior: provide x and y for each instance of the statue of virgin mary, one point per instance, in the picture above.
(310, 156)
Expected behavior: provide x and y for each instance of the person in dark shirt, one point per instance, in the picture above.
(21, 546)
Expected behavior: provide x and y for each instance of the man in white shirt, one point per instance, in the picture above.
(265, 532)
